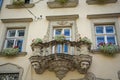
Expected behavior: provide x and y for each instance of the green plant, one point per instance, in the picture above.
(108, 49)
(60, 38)
(85, 40)
(10, 51)
(36, 41)
(61, 1)
(18, 2)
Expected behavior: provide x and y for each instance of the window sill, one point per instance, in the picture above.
(70, 3)
(92, 2)
(16, 7)
(18, 55)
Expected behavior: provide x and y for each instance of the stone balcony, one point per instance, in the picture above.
(46, 57)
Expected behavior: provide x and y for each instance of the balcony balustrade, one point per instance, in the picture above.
(46, 56)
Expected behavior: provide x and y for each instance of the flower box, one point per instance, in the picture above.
(68, 4)
(91, 2)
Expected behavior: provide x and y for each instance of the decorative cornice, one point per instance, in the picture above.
(17, 20)
(109, 15)
(63, 17)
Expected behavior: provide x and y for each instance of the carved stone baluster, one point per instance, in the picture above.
(62, 48)
(50, 49)
(84, 49)
(69, 49)
(75, 52)
(36, 51)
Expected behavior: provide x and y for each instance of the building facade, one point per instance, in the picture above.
(33, 25)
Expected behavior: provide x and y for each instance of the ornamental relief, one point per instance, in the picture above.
(61, 63)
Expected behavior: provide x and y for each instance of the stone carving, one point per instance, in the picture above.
(90, 76)
(83, 63)
(38, 64)
(61, 63)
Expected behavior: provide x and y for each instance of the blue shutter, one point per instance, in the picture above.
(1, 1)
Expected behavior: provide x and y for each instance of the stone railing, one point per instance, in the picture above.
(45, 57)
(47, 48)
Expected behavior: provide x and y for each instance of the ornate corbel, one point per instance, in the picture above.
(83, 63)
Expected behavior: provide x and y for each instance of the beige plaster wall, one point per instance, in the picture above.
(103, 67)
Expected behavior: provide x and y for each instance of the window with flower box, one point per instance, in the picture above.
(62, 31)
(105, 34)
(14, 38)
(20, 4)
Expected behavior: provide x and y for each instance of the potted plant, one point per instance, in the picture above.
(10, 51)
(18, 2)
(85, 40)
(36, 41)
(108, 49)
(61, 1)
(60, 38)
(85, 45)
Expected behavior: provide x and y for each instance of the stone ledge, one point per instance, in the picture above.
(21, 6)
(109, 15)
(92, 2)
(17, 20)
(63, 17)
(18, 55)
(70, 3)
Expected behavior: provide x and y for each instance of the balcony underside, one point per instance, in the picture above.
(61, 63)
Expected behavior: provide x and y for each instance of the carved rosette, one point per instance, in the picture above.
(61, 63)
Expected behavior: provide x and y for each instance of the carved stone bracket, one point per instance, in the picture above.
(61, 63)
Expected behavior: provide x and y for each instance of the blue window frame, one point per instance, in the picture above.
(14, 38)
(67, 33)
(1, 1)
(105, 34)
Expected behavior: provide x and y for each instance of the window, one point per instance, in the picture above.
(67, 33)
(27, 1)
(9, 76)
(1, 1)
(14, 38)
(105, 34)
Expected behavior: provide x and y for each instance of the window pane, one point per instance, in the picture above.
(58, 31)
(58, 48)
(65, 48)
(10, 43)
(21, 32)
(111, 39)
(99, 29)
(19, 44)
(100, 39)
(11, 33)
(109, 29)
(67, 32)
